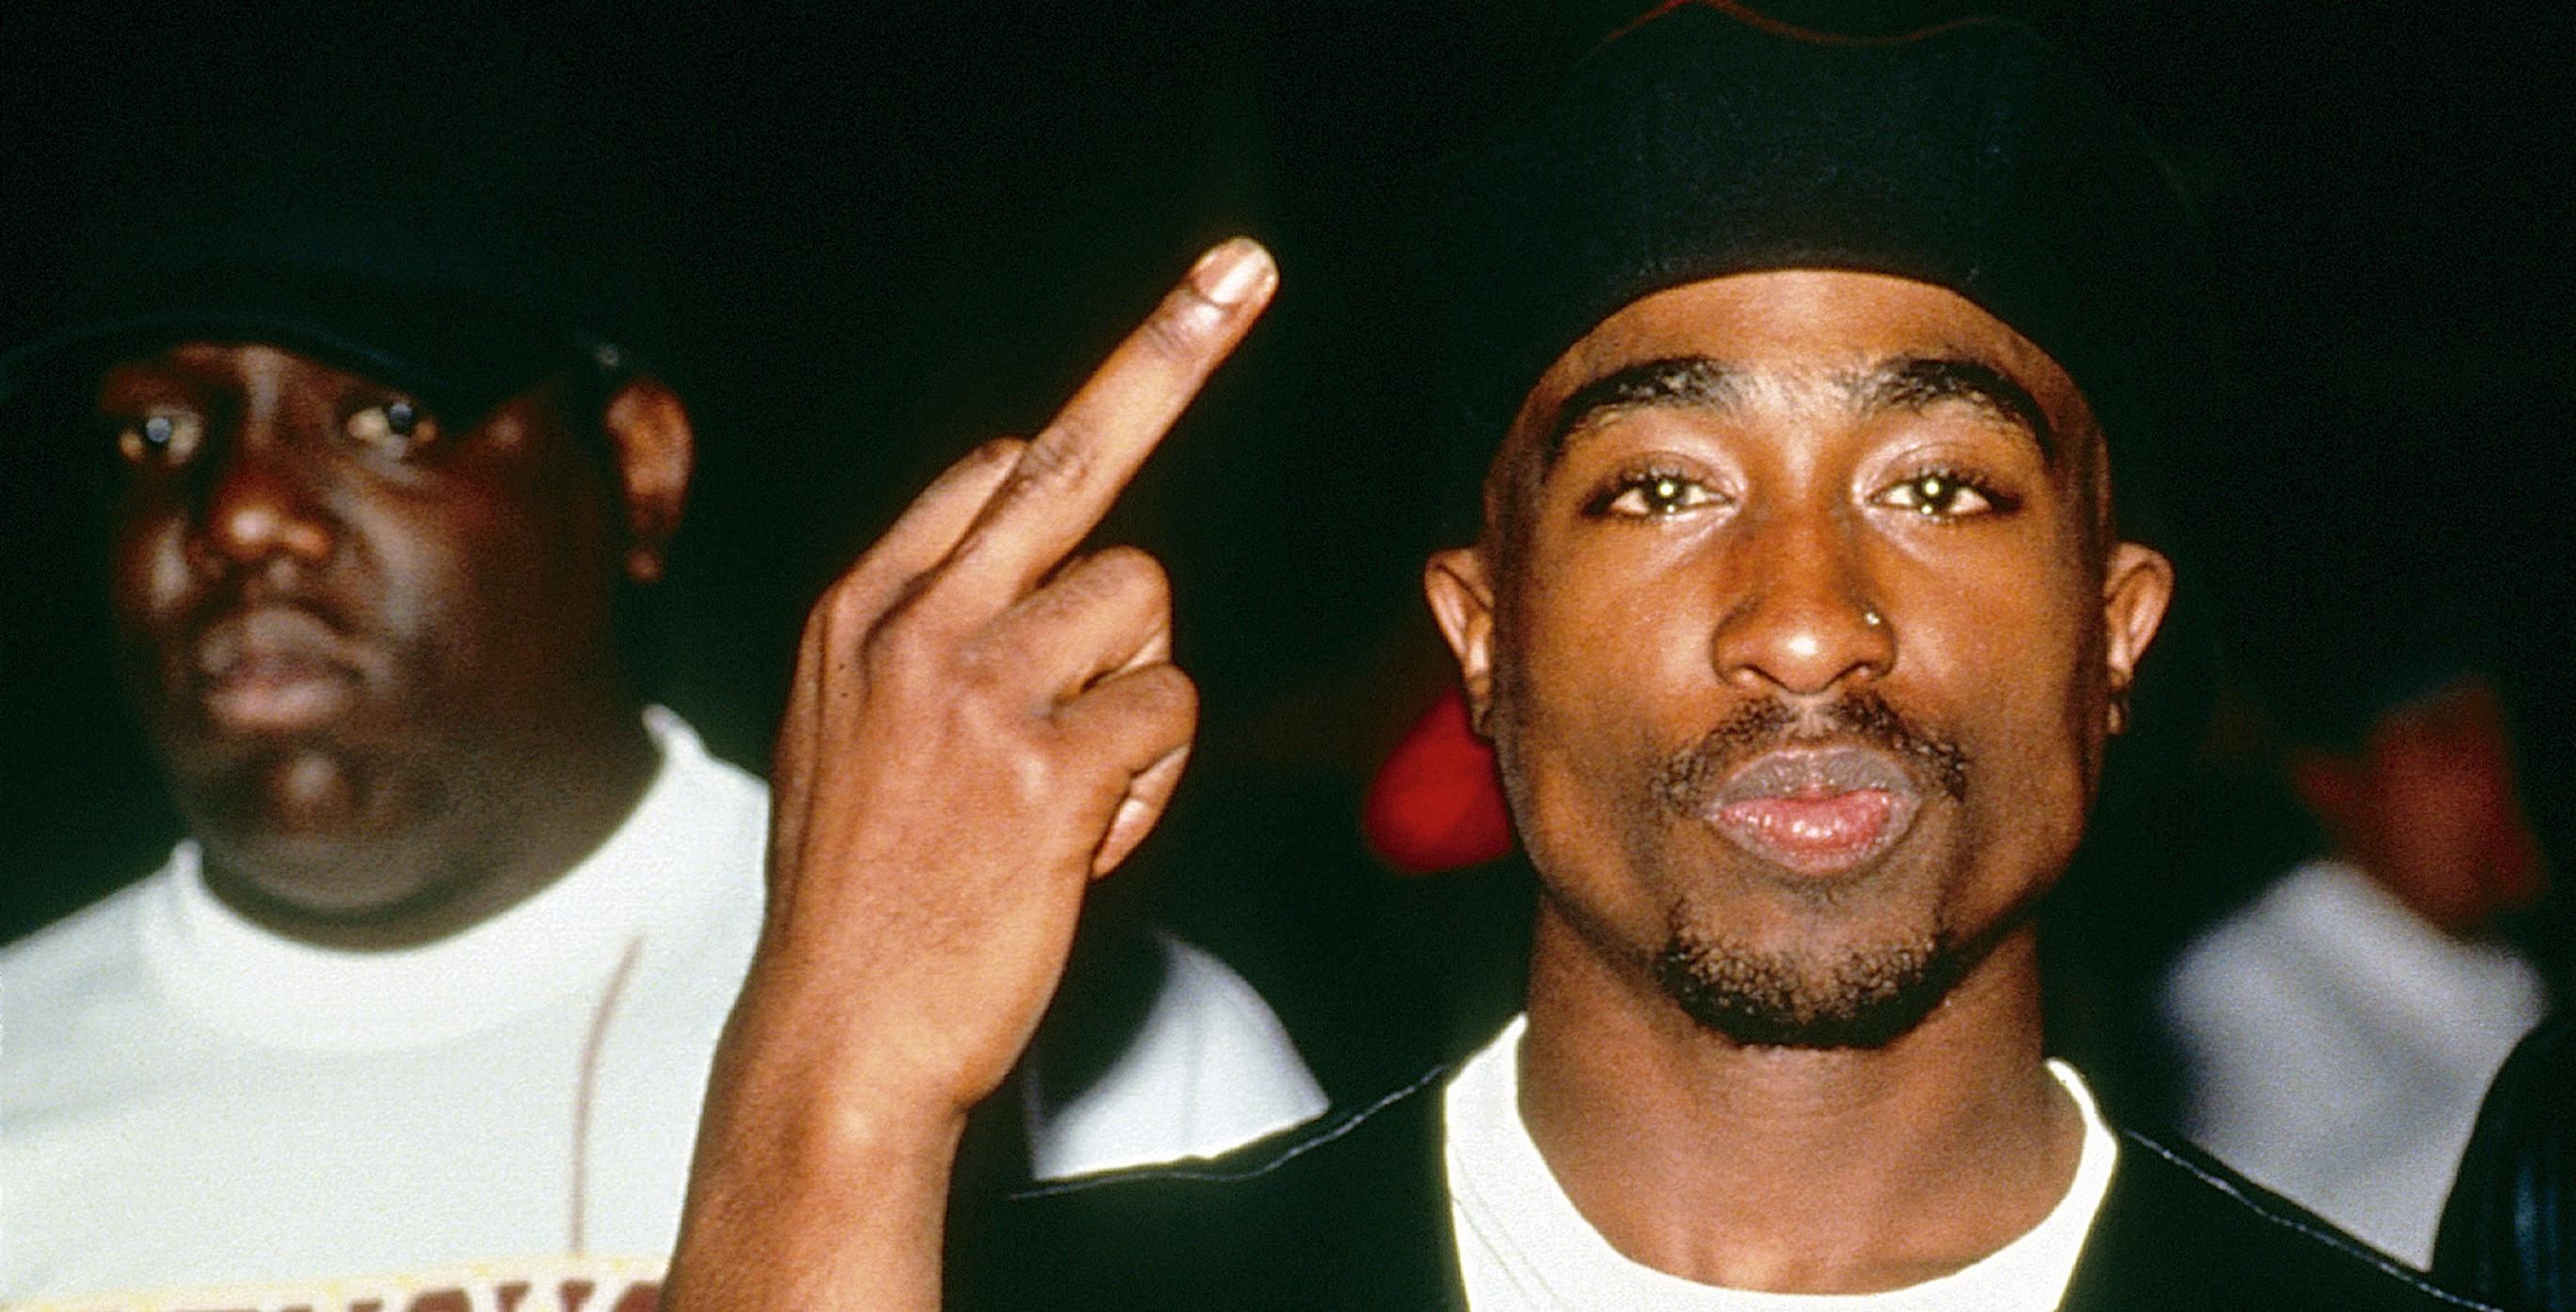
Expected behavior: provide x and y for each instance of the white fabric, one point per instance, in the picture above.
(1523, 1247)
(189, 1102)
(2337, 1046)
(1244, 1079)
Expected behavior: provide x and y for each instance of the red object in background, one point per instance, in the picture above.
(1437, 803)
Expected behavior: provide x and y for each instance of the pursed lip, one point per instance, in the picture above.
(1815, 810)
(272, 669)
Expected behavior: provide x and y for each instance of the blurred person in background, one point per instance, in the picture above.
(422, 1006)
(2335, 1032)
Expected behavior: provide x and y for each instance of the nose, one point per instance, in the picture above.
(1801, 620)
(261, 506)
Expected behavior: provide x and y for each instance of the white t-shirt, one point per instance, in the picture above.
(1523, 1247)
(500, 1119)
(2337, 1046)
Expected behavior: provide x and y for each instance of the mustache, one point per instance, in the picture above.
(1690, 777)
(224, 602)
(268, 631)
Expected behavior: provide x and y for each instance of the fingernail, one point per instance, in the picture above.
(1229, 273)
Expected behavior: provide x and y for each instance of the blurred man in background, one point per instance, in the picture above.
(422, 1007)
(2336, 1032)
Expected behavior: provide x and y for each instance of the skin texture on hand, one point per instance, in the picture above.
(977, 727)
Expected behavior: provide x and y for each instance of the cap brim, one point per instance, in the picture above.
(459, 353)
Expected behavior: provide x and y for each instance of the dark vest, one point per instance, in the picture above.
(2509, 1233)
(1352, 1211)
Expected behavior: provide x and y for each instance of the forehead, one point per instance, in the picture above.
(1802, 326)
(251, 371)
(231, 364)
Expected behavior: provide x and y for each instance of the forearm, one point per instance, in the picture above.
(814, 1190)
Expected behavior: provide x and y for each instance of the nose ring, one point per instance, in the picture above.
(1872, 618)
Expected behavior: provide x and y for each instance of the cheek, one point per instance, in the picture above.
(1593, 690)
(493, 585)
(150, 585)
(1582, 656)
(2018, 674)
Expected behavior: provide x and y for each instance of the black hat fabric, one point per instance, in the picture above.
(441, 318)
(438, 222)
(1705, 141)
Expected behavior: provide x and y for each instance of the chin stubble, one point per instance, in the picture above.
(1865, 999)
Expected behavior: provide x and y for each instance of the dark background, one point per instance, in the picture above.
(892, 233)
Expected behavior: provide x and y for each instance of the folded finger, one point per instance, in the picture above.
(1130, 722)
(921, 536)
(1147, 796)
(1107, 612)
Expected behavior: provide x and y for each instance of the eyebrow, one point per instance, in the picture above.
(1911, 383)
(1921, 382)
(1688, 381)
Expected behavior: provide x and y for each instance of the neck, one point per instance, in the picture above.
(524, 811)
(1795, 1170)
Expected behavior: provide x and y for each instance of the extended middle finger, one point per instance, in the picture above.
(1074, 469)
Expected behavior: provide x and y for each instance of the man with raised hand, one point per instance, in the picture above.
(1800, 614)
(420, 1012)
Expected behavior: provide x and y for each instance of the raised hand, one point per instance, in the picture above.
(976, 727)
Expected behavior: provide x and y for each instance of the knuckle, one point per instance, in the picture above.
(1130, 571)
(896, 651)
(979, 466)
(846, 609)
(847, 597)
(1180, 695)
(1164, 694)
(984, 668)
(1175, 333)
(1058, 458)
(998, 451)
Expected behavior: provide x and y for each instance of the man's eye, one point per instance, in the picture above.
(1656, 494)
(1943, 496)
(395, 428)
(162, 439)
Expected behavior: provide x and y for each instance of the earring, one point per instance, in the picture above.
(2117, 713)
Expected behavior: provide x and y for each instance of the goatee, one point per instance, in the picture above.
(1866, 999)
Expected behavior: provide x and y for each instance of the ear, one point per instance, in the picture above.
(649, 431)
(2137, 586)
(1462, 599)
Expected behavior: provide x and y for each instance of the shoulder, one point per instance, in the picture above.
(79, 1011)
(1210, 1021)
(1207, 1068)
(706, 786)
(1354, 1139)
(2179, 1229)
(1349, 1210)
(90, 949)
(2275, 924)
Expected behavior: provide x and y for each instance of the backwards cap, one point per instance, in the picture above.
(1705, 141)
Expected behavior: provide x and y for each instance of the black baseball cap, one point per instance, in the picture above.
(461, 243)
